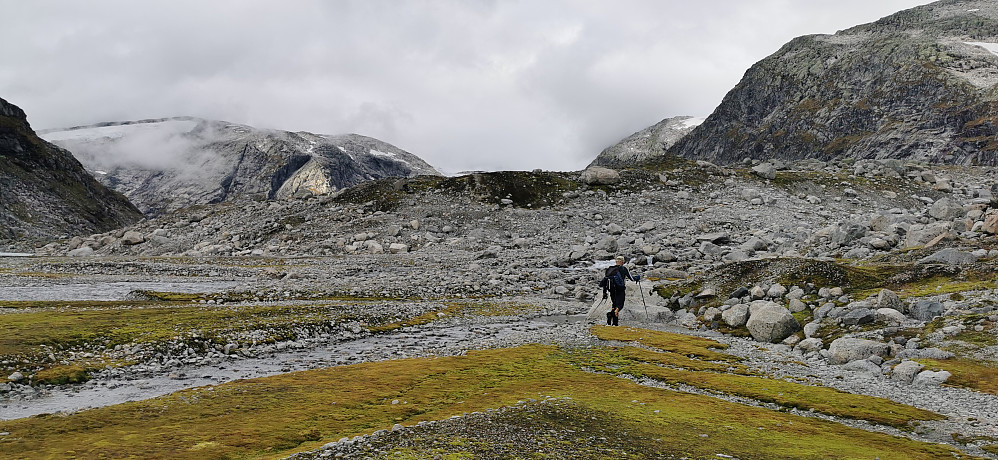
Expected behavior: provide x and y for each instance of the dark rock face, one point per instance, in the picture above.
(909, 86)
(647, 143)
(166, 164)
(45, 193)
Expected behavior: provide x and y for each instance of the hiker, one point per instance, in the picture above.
(613, 281)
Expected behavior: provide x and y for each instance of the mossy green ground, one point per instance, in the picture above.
(967, 373)
(27, 337)
(275, 416)
(26, 333)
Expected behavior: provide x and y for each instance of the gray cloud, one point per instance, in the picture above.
(499, 84)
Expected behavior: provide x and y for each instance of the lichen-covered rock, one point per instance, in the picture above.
(905, 371)
(809, 345)
(736, 316)
(890, 316)
(925, 310)
(771, 323)
(889, 299)
(845, 349)
(596, 175)
(931, 378)
(132, 237)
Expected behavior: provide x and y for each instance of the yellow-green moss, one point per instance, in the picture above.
(276, 416)
(968, 373)
(60, 375)
(676, 343)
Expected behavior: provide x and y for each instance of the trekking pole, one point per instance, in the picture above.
(643, 300)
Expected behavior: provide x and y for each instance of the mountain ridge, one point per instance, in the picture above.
(908, 86)
(45, 193)
(164, 164)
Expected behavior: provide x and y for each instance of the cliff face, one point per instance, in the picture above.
(919, 85)
(647, 143)
(166, 164)
(45, 193)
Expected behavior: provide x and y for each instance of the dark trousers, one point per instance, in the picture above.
(617, 304)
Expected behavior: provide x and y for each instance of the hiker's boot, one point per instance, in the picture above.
(609, 318)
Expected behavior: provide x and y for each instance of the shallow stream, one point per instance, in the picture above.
(119, 290)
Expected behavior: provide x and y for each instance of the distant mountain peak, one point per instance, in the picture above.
(170, 163)
(648, 143)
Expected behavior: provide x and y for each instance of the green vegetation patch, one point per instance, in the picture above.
(675, 343)
(276, 416)
(723, 378)
(61, 375)
(794, 395)
(968, 373)
(25, 333)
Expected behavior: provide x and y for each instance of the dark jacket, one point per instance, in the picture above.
(607, 284)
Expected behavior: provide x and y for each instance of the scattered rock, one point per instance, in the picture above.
(844, 350)
(949, 256)
(132, 238)
(926, 310)
(931, 378)
(905, 371)
(771, 323)
(736, 316)
(597, 175)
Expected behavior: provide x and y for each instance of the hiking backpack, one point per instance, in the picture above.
(613, 279)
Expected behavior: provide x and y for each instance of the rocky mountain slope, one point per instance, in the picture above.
(919, 84)
(167, 164)
(45, 192)
(647, 143)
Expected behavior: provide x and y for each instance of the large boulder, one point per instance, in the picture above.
(890, 316)
(990, 225)
(809, 345)
(771, 323)
(597, 175)
(923, 234)
(844, 350)
(736, 316)
(946, 209)
(906, 371)
(931, 378)
(889, 299)
(949, 256)
(765, 171)
(859, 316)
(925, 310)
(132, 237)
(81, 252)
(862, 366)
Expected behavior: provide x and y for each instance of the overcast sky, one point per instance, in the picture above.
(464, 84)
